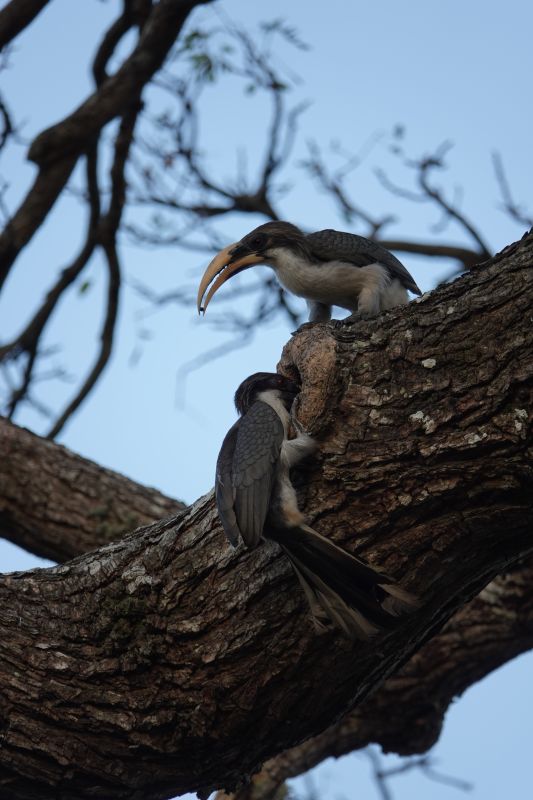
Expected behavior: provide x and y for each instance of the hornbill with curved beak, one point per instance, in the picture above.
(327, 268)
(256, 499)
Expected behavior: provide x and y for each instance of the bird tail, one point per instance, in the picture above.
(341, 588)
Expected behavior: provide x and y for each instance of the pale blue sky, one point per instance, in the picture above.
(458, 71)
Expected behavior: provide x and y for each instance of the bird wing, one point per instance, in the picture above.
(224, 489)
(330, 245)
(246, 470)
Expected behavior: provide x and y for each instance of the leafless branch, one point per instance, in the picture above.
(114, 94)
(334, 185)
(236, 343)
(425, 167)
(515, 211)
(170, 177)
(57, 149)
(7, 125)
(468, 258)
(27, 342)
(107, 232)
(106, 341)
(176, 176)
(427, 192)
(382, 775)
(17, 15)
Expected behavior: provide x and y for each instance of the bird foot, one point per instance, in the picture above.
(304, 439)
(299, 428)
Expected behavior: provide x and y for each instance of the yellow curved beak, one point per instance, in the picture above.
(220, 266)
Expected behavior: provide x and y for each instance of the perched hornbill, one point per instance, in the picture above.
(255, 499)
(328, 268)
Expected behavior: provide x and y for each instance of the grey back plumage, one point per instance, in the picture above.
(246, 470)
(331, 245)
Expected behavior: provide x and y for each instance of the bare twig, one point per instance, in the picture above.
(27, 342)
(107, 232)
(423, 168)
(514, 210)
(7, 125)
(382, 775)
(333, 184)
(106, 341)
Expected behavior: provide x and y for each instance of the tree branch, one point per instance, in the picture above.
(490, 630)
(106, 236)
(17, 15)
(468, 258)
(58, 505)
(106, 340)
(57, 149)
(27, 342)
(165, 662)
(515, 211)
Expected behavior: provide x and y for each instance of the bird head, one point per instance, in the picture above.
(257, 247)
(250, 389)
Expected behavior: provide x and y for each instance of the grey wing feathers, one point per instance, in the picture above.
(246, 470)
(224, 489)
(331, 245)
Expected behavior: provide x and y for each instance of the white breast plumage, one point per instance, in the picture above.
(335, 283)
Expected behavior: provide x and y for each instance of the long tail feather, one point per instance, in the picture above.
(341, 588)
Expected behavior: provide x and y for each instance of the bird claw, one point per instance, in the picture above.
(298, 427)
(303, 435)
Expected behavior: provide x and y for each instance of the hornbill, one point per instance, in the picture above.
(327, 268)
(256, 499)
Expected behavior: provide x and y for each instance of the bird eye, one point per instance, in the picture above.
(257, 241)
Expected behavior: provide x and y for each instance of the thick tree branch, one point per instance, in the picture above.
(32, 212)
(58, 505)
(406, 714)
(166, 662)
(17, 15)
(114, 96)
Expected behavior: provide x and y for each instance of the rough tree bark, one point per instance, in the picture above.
(406, 714)
(165, 662)
(58, 505)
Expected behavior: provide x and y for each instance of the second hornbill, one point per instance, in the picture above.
(256, 499)
(327, 268)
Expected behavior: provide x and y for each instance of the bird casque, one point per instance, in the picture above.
(256, 499)
(327, 268)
